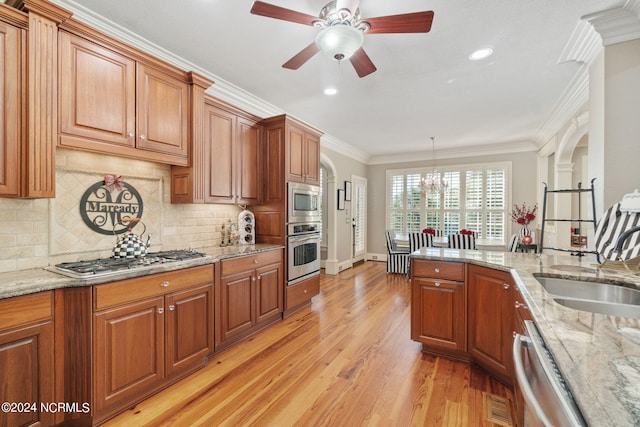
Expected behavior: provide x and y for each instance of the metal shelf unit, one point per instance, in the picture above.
(579, 191)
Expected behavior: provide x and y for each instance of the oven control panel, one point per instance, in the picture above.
(247, 228)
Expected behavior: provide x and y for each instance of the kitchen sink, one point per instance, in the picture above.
(595, 297)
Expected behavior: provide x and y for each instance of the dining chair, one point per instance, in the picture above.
(419, 240)
(397, 258)
(462, 241)
(617, 237)
(513, 243)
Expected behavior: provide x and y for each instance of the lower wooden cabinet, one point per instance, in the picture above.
(438, 306)
(249, 295)
(491, 320)
(149, 336)
(300, 294)
(27, 360)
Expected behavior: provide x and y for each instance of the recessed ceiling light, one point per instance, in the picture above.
(330, 91)
(485, 52)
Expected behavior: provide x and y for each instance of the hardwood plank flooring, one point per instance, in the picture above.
(348, 360)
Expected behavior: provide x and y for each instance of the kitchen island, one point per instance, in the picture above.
(598, 355)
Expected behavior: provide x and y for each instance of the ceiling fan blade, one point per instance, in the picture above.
(301, 57)
(352, 5)
(362, 63)
(277, 12)
(418, 22)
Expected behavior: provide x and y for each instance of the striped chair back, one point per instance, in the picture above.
(612, 224)
(513, 243)
(462, 241)
(391, 241)
(419, 240)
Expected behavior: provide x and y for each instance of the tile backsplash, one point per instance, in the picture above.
(40, 232)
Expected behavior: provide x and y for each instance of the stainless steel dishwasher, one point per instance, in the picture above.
(547, 399)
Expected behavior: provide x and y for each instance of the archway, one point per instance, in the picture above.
(330, 264)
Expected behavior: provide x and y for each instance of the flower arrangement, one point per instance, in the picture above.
(429, 230)
(466, 232)
(524, 214)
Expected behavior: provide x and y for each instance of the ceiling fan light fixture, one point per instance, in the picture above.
(339, 41)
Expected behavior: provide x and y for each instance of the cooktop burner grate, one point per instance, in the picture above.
(103, 266)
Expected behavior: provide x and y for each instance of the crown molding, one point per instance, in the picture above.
(583, 46)
(617, 25)
(341, 147)
(457, 153)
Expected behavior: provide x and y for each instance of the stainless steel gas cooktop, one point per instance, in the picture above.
(112, 266)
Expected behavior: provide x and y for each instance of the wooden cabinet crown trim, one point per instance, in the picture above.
(47, 9)
(14, 17)
(219, 103)
(289, 120)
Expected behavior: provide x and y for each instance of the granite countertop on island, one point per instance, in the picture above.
(34, 280)
(598, 355)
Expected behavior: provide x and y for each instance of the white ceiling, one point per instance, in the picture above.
(425, 84)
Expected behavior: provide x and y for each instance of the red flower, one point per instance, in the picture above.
(429, 230)
(523, 214)
(466, 232)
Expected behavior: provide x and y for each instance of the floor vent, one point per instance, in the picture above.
(496, 409)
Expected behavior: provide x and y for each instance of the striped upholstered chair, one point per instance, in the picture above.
(462, 241)
(619, 227)
(397, 258)
(419, 240)
(513, 243)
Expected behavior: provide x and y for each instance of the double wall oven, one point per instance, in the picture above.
(303, 232)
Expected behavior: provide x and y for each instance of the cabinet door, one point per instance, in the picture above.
(269, 292)
(249, 163)
(97, 94)
(438, 314)
(219, 134)
(236, 311)
(189, 326)
(129, 353)
(26, 358)
(10, 120)
(296, 161)
(312, 159)
(491, 319)
(163, 112)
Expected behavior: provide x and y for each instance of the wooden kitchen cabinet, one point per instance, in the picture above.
(249, 295)
(113, 102)
(521, 313)
(303, 155)
(148, 332)
(491, 320)
(11, 42)
(438, 308)
(230, 171)
(27, 358)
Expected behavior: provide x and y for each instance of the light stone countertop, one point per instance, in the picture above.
(24, 282)
(598, 355)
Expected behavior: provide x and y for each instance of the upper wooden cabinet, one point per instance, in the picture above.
(230, 167)
(113, 103)
(10, 104)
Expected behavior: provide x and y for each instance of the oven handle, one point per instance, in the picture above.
(307, 237)
(519, 342)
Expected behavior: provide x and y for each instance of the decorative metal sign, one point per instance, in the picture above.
(102, 210)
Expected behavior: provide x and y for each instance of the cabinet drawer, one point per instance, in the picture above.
(302, 292)
(249, 262)
(438, 269)
(130, 290)
(25, 310)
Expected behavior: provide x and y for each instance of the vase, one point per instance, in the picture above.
(524, 231)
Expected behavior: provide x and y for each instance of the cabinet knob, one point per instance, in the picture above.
(521, 305)
(160, 310)
(131, 134)
(437, 284)
(142, 136)
(253, 279)
(305, 291)
(164, 284)
(437, 270)
(506, 286)
(172, 307)
(255, 261)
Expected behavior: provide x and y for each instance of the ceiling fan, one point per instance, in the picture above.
(343, 31)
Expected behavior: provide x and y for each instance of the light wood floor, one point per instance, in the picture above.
(346, 361)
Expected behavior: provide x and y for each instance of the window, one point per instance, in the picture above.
(477, 199)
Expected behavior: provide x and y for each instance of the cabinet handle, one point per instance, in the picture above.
(160, 310)
(172, 307)
(142, 136)
(437, 270)
(164, 284)
(519, 304)
(437, 284)
(506, 286)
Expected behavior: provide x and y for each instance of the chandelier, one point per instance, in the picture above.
(435, 183)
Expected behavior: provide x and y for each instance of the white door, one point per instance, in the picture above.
(359, 217)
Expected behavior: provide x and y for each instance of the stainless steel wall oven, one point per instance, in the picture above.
(303, 251)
